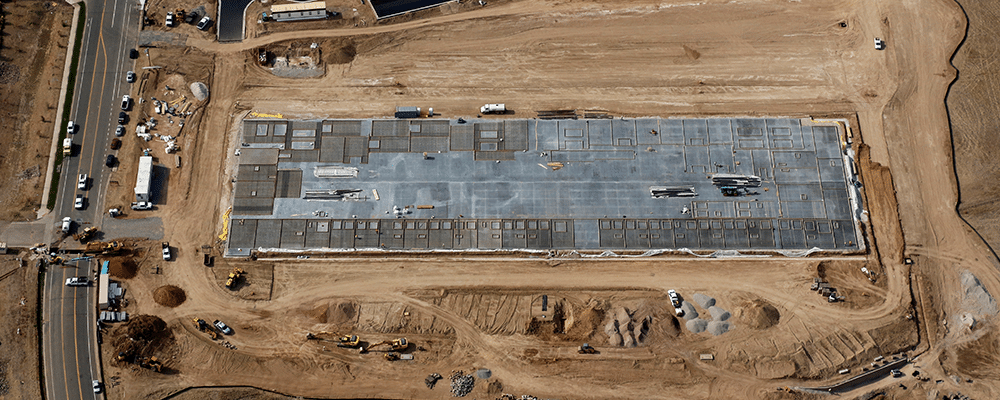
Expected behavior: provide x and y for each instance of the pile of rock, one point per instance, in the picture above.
(461, 384)
(623, 330)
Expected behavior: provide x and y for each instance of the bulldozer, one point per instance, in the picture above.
(205, 327)
(349, 341)
(85, 234)
(586, 348)
(234, 277)
(396, 345)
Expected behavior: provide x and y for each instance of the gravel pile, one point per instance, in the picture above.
(484, 373)
(199, 90)
(703, 300)
(461, 384)
(977, 300)
(696, 325)
(718, 327)
(719, 314)
(689, 311)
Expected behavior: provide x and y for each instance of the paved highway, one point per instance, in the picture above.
(69, 326)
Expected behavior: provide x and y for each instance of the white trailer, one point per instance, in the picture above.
(493, 109)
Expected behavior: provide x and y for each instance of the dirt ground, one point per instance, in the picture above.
(630, 58)
(19, 333)
(32, 56)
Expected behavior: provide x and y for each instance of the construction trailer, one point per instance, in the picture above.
(144, 178)
(104, 281)
(300, 11)
(407, 112)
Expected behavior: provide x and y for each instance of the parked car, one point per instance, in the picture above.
(120, 131)
(222, 327)
(133, 53)
(116, 144)
(77, 281)
(130, 77)
(110, 161)
(81, 183)
(142, 205)
(97, 386)
(879, 44)
(170, 20)
(79, 202)
(204, 23)
(166, 251)
(126, 100)
(122, 118)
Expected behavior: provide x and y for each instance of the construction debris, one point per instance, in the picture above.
(461, 384)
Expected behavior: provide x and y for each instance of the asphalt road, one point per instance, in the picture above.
(70, 313)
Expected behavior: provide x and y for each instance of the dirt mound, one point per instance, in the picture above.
(143, 335)
(584, 323)
(758, 314)
(122, 267)
(169, 295)
(342, 312)
(341, 53)
(333, 313)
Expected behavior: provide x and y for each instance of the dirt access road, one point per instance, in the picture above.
(632, 58)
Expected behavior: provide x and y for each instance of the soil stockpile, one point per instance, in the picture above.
(169, 296)
(141, 336)
(122, 267)
(697, 325)
(703, 300)
(758, 314)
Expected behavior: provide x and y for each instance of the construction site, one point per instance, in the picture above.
(544, 200)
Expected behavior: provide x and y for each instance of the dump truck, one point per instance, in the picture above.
(205, 327)
(234, 277)
(396, 345)
(67, 147)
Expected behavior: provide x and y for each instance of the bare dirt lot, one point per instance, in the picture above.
(763, 327)
(35, 36)
(19, 333)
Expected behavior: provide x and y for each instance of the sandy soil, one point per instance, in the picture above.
(19, 336)
(634, 57)
(31, 69)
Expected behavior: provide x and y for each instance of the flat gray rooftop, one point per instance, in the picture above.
(540, 184)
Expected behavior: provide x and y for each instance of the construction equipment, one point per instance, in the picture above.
(586, 349)
(205, 327)
(151, 363)
(85, 234)
(349, 341)
(391, 356)
(234, 277)
(396, 345)
(105, 248)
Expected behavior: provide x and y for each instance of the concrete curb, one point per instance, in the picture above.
(43, 209)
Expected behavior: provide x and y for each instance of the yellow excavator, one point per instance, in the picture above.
(85, 234)
(205, 327)
(396, 345)
(349, 341)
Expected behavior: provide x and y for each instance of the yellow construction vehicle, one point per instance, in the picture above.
(85, 234)
(349, 341)
(396, 345)
(104, 248)
(234, 277)
(205, 327)
(151, 363)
